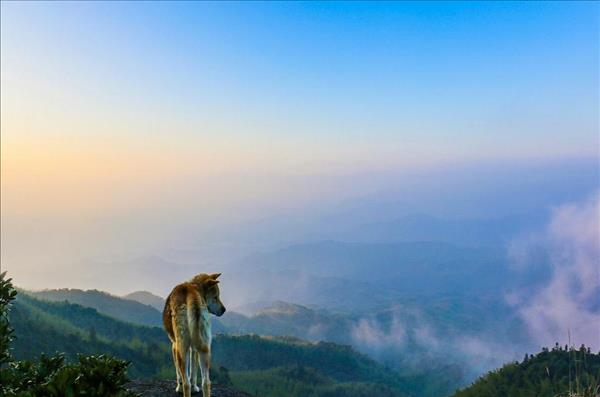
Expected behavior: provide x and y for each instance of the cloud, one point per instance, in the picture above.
(374, 335)
(570, 300)
(409, 338)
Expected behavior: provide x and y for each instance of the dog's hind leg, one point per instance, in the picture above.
(182, 350)
(195, 369)
(205, 367)
(178, 374)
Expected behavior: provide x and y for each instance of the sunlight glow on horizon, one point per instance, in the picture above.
(140, 120)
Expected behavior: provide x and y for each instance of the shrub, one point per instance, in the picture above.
(52, 376)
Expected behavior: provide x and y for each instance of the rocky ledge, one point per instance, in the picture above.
(166, 388)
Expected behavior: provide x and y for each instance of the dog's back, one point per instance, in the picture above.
(182, 314)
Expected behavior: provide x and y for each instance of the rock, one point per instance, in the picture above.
(166, 388)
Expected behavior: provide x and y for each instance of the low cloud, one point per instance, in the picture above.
(569, 302)
(372, 334)
(409, 337)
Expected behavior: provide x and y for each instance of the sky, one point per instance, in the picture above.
(128, 127)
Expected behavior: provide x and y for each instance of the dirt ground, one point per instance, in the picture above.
(164, 388)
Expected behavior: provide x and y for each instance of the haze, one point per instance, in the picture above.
(143, 142)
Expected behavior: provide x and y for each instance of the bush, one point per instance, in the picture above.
(52, 376)
(7, 295)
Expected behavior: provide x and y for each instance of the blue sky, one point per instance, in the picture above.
(442, 75)
(157, 118)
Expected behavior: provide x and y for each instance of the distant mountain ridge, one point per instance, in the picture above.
(120, 308)
(352, 276)
(422, 227)
(147, 298)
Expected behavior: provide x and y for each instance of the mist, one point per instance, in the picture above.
(566, 307)
(122, 248)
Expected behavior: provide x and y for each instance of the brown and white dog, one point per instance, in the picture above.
(186, 320)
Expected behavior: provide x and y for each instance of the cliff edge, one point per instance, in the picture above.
(166, 388)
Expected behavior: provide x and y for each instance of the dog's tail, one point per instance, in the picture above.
(194, 307)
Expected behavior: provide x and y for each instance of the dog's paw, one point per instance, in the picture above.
(196, 388)
(178, 388)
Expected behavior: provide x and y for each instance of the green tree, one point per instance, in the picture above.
(93, 376)
(7, 295)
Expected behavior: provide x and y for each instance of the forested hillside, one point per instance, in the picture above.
(114, 306)
(277, 366)
(127, 309)
(49, 327)
(559, 372)
(270, 366)
(292, 367)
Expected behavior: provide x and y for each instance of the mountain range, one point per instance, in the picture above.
(129, 310)
(407, 337)
(290, 366)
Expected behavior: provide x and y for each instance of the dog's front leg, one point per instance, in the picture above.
(205, 367)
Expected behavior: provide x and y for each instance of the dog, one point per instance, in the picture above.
(187, 323)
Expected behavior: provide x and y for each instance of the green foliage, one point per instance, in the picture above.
(7, 295)
(94, 376)
(300, 381)
(291, 367)
(51, 376)
(560, 372)
(340, 362)
(48, 327)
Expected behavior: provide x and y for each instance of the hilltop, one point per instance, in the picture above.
(550, 373)
(114, 306)
(147, 298)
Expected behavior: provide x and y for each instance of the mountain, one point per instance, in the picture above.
(127, 310)
(411, 337)
(292, 367)
(408, 336)
(114, 306)
(348, 276)
(282, 318)
(278, 319)
(49, 327)
(422, 227)
(246, 362)
(147, 298)
(550, 373)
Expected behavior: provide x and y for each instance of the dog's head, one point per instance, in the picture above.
(208, 286)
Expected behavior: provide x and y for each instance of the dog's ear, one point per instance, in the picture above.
(210, 282)
(214, 276)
